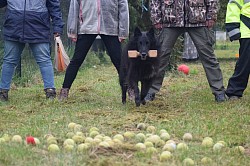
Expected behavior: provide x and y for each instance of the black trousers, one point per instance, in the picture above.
(239, 80)
(83, 44)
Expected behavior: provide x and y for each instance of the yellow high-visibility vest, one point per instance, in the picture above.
(238, 18)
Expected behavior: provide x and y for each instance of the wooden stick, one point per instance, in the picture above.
(135, 54)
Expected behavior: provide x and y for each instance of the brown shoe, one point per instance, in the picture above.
(50, 93)
(63, 94)
(4, 95)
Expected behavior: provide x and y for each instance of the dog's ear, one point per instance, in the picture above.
(151, 32)
(137, 32)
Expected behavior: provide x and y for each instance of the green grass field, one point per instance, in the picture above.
(184, 105)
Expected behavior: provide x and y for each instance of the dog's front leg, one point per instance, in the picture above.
(137, 94)
(124, 93)
(145, 86)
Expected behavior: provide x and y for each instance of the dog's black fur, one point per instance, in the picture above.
(143, 68)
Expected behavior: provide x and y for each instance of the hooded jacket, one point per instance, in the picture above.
(108, 17)
(183, 13)
(238, 19)
(29, 21)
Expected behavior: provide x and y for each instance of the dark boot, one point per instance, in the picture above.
(50, 93)
(63, 94)
(4, 95)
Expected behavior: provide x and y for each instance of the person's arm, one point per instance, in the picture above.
(3, 3)
(72, 22)
(123, 19)
(212, 10)
(56, 16)
(233, 20)
(155, 13)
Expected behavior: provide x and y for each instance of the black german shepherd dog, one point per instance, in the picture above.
(141, 68)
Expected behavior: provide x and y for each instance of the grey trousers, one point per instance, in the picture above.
(203, 39)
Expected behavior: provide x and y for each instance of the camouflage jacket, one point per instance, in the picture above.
(183, 13)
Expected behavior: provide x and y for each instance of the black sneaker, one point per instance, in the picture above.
(220, 97)
(149, 97)
(50, 93)
(4, 95)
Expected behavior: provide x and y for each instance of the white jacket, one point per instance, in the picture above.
(108, 17)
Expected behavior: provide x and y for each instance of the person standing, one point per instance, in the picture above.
(86, 20)
(29, 22)
(237, 26)
(173, 18)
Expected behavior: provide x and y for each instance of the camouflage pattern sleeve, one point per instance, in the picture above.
(212, 9)
(155, 11)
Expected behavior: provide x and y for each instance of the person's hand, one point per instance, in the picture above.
(74, 39)
(210, 23)
(158, 26)
(56, 35)
(121, 39)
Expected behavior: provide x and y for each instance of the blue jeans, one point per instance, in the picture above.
(12, 55)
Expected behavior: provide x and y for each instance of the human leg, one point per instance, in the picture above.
(239, 80)
(204, 40)
(41, 53)
(166, 38)
(82, 47)
(114, 49)
(12, 54)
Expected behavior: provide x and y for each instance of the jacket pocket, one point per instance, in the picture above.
(210, 36)
(169, 9)
(196, 11)
(37, 5)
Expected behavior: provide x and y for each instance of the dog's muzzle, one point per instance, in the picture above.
(144, 56)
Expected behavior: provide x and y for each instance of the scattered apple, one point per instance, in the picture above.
(53, 148)
(93, 133)
(239, 149)
(165, 155)
(119, 136)
(151, 129)
(140, 146)
(165, 136)
(188, 161)
(141, 126)
(71, 125)
(69, 142)
(206, 161)
(217, 147)
(182, 146)
(187, 137)
(17, 139)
